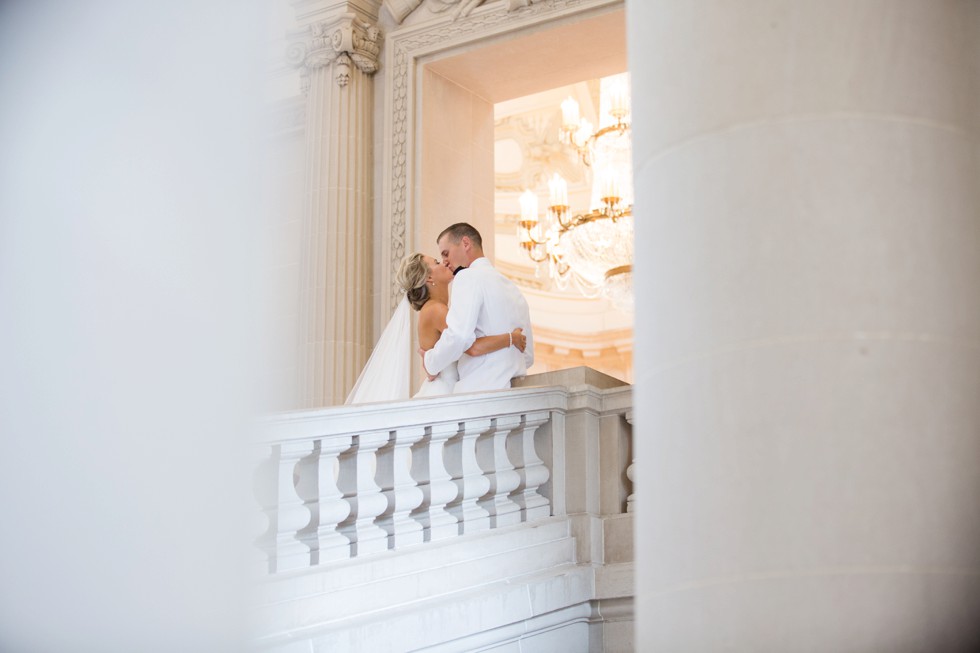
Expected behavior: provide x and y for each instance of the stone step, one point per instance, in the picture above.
(550, 608)
(319, 596)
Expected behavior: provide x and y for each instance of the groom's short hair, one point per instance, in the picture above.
(460, 229)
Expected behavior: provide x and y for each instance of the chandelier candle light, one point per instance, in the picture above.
(593, 249)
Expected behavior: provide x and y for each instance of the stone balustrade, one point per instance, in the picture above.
(349, 481)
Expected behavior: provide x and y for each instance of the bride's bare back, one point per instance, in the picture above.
(432, 322)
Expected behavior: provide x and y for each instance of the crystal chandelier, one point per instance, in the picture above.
(593, 250)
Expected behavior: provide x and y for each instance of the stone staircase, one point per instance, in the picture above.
(491, 588)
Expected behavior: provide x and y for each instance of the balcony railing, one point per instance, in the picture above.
(351, 481)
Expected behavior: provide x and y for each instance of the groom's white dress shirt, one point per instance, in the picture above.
(484, 303)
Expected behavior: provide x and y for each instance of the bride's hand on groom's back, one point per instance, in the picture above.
(519, 339)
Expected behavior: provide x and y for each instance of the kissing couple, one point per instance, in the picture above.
(479, 341)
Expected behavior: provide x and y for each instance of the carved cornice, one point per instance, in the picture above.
(307, 11)
(343, 42)
(400, 9)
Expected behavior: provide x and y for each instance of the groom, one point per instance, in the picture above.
(484, 302)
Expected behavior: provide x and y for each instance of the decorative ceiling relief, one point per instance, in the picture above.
(533, 140)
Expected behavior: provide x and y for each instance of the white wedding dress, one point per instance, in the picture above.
(385, 377)
(443, 384)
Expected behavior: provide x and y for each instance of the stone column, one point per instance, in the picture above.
(808, 317)
(337, 57)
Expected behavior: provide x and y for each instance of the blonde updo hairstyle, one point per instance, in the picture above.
(411, 277)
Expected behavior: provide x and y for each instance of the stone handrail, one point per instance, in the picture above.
(349, 481)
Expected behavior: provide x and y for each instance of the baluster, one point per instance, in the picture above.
(400, 489)
(435, 482)
(264, 490)
(504, 479)
(333, 509)
(630, 505)
(468, 477)
(292, 514)
(533, 472)
(364, 495)
(305, 480)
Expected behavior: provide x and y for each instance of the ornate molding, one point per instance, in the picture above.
(404, 48)
(343, 42)
(400, 9)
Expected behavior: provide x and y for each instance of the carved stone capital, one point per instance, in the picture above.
(345, 41)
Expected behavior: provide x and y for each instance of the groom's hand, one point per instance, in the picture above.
(432, 377)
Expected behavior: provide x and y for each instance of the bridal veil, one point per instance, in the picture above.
(386, 375)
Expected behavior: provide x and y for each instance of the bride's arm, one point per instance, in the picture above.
(486, 344)
(432, 322)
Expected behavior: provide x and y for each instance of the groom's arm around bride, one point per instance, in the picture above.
(483, 302)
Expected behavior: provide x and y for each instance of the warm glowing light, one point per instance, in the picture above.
(619, 102)
(569, 114)
(584, 132)
(558, 190)
(529, 207)
(592, 250)
(610, 187)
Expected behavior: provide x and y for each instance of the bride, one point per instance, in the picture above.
(426, 285)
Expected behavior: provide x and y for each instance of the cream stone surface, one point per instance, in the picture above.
(571, 377)
(618, 540)
(853, 611)
(840, 270)
(799, 435)
(457, 162)
(808, 435)
(894, 59)
(587, 46)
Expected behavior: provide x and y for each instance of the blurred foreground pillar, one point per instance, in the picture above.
(808, 374)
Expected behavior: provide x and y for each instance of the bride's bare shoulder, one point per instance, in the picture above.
(433, 313)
